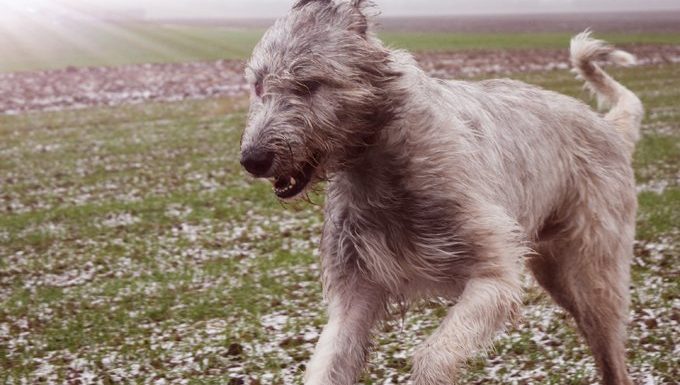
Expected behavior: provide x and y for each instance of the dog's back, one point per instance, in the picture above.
(534, 150)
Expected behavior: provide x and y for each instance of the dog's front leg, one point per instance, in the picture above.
(491, 296)
(468, 327)
(343, 346)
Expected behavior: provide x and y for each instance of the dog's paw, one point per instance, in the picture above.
(433, 365)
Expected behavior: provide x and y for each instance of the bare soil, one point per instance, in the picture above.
(466, 64)
(74, 88)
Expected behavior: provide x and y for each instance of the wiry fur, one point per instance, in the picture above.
(626, 109)
(444, 188)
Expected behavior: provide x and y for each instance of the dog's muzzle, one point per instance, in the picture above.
(257, 162)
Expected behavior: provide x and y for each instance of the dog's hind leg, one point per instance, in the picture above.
(586, 271)
(491, 296)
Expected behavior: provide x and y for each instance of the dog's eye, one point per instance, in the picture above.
(309, 88)
(258, 88)
(313, 86)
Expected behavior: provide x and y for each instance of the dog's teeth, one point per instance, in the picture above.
(292, 182)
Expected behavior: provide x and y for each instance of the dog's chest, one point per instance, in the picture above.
(395, 237)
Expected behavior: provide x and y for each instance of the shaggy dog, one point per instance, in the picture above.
(445, 188)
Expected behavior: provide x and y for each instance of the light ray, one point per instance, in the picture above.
(52, 34)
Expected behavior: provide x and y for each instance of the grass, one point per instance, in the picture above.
(38, 46)
(428, 41)
(134, 250)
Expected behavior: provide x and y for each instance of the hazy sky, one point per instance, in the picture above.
(268, 8)
(271, 8)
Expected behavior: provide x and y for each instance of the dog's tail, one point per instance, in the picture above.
(626, 111)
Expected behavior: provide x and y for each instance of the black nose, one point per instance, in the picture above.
(257, 162)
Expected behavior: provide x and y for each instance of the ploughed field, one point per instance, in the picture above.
(133, 249)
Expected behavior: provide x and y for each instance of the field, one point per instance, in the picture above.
(128, 43)
(133, 249)
(39, 46)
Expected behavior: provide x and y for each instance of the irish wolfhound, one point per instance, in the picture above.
(445, 188)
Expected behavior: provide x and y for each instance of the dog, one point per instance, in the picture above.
(445, 188)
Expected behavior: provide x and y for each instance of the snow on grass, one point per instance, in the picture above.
(133, 250)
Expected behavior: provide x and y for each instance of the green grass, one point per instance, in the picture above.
(428, 41)
(120, 44)
(133, 247)
(45, 46)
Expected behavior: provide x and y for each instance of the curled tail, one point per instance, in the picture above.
(626, 111)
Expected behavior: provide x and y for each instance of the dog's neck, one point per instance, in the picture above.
(386, 149)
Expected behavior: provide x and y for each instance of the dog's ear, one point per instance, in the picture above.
(359, 18)
(302, 3)
(352, 12)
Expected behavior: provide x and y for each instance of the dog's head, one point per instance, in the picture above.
(319, 85)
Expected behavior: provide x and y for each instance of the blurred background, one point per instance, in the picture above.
(134, 250)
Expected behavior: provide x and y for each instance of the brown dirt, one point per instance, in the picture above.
(73, 88)
(467, 64)
(109, 86)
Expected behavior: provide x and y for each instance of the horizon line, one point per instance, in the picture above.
(446, 15)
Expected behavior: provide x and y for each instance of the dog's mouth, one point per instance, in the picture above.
(290, 186)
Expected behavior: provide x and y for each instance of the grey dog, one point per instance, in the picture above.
(445, 188)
